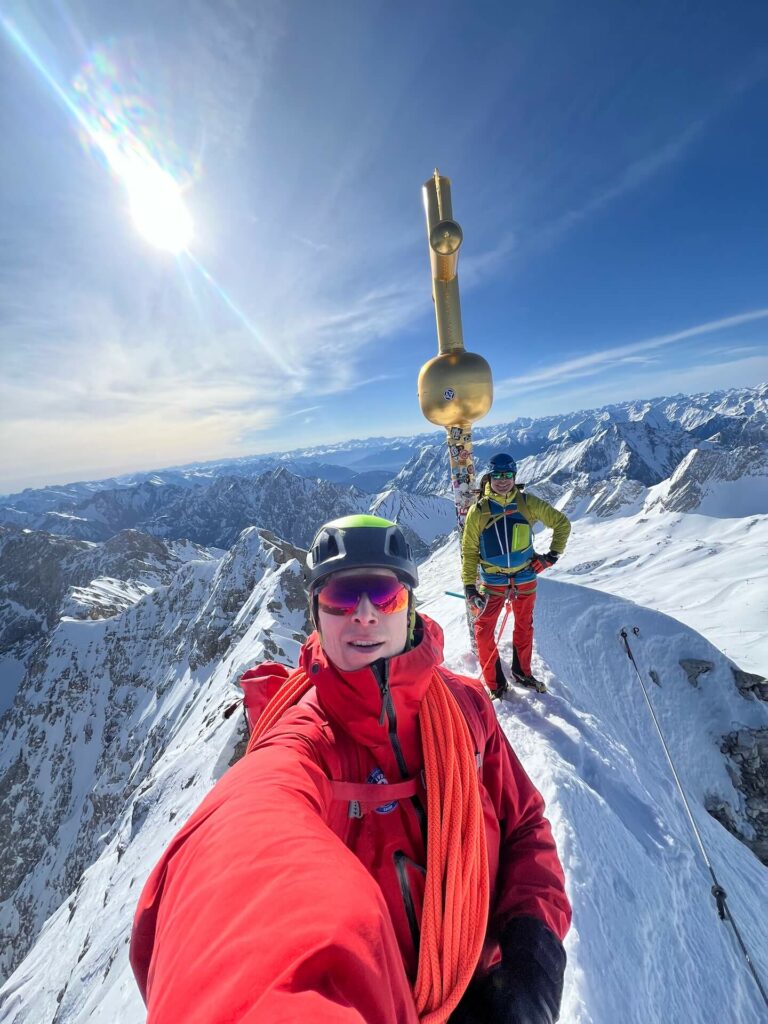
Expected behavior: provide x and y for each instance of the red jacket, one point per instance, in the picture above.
(273, 904)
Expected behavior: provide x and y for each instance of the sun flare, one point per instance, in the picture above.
(157, 207)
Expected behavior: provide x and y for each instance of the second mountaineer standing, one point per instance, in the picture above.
(498, 543)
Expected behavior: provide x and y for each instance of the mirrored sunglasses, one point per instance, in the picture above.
(503, 474)
(341, 595)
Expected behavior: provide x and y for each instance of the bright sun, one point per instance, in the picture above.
(157, 208)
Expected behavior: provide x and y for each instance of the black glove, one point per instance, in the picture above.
(475, 599)
(526, 988)
(541, 562)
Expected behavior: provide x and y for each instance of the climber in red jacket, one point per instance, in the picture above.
(379, 855)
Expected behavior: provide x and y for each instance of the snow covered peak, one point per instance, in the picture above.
(43, 576)
(600, 460)
(428, 516)
(595, 458)
(729, 484)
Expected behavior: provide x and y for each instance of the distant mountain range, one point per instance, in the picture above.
(599, 461)
(592, 462)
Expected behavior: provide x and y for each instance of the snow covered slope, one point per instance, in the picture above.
(44, 577)
(646, 946)
(729, 484)
(103, 702)
(706, 571)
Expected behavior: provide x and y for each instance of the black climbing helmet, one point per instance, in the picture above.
(360, 542)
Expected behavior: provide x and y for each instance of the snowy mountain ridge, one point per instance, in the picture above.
(700, 483)
(159, 740)
(211, 513)
(601, 461)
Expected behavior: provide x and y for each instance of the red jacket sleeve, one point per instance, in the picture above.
(258, 912)
(530, 878)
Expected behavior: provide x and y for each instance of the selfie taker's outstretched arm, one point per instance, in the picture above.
(258, 912)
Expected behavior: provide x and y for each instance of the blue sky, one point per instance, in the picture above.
(608, 162)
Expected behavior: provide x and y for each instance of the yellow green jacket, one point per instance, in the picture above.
(497, 534)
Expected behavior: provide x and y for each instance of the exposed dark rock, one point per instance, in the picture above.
(747, 750)
(749, 684)
(695, 667)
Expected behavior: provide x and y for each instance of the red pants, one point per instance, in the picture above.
(522, 637)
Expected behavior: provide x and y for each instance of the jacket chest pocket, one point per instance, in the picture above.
(520, 536)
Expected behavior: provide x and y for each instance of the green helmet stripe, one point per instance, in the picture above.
(352, 522)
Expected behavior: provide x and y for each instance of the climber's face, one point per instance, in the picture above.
(362, 615)
(502, 484)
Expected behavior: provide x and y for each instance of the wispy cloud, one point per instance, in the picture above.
(630, 178)
(225, 56)
(561, 373)
(715, 375)
(640, 171)
(310, 244)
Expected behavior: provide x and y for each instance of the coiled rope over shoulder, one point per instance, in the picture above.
(457, 889)
(456, 896)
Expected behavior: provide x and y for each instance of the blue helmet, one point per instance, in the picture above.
(503, 463)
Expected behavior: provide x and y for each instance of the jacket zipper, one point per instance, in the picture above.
(381, 673)
(388, 715)
(401, 861)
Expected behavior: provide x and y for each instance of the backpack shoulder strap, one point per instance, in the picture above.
(290, 693)
(481, 497)
(522, 504)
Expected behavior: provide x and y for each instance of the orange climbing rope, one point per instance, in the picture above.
(456, 894)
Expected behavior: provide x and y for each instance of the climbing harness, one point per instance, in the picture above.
(718, 892)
